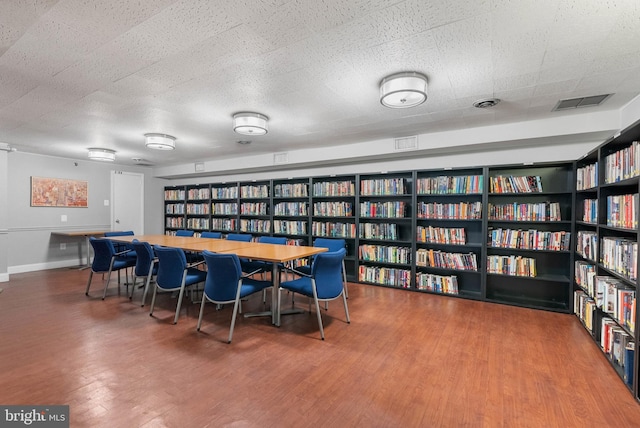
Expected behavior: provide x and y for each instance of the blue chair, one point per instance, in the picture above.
(175, 274)
(331, 244)
(226, 284)
(323, 284)
(260, 266)
(122, 246)
(243, 237)
(146, 266)
(184, 232)
(214, 235)
(107, 260)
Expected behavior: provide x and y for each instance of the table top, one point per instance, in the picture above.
(81, 233)
(250, 250)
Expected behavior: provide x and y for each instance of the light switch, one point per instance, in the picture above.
(63, 218)
(106, 202)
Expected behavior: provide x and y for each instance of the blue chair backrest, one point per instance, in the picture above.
(144, 259)
(215, 235)
(330, 244)
(119, 233)
(171, 265)
(278, 240)
(224, 273)
(244, 237)
(103, 251)
(184, 232)
(327, 272)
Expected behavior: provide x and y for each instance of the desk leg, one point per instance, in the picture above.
(88, 244)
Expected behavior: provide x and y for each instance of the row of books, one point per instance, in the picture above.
(290, 208)
(587, 177)
(174, 209)
(617, 299)
(333, 209)
(198, 209)
(437, 283)
(387, 231)
(198, 194)
(384, 254)
(224, 208)
(293, 190)
(585, 274)
(255, 225)
(442, 259)
(441, 235)
(226, 224)
(622, 164)
(620, 255)
(584, 307)
(590, 211)
(333, 230)
(254, 191)
(383, 186)
(531, 239)
(198, 223)
(224, 193)
(174, 222)
(286, 227)
(587, 244)
(459, 211)
(254, 208)
(446, 185)
(619, 347)
(622, 211)
(390, 209)
(511, 265)
(515, 184)
(541, 211)
(385, 276)
(334, 188)
(174, 195)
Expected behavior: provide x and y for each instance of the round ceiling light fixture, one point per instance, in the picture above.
(486, 103)
(160, 141)
(105, 155)
(250, 123)
(403, 90)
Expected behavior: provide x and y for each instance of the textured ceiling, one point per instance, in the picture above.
(76, 74)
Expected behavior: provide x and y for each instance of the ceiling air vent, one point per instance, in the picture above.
(280, 158)
(592, 101)
(141, 162)
(406, 143)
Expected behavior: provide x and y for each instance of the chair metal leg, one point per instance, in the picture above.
(104, 293)
(315, 299)
(175, 319)
(153, 300)
(344, 280)
(204, 298)
(86, 293)
(346, 309)
(146, 287)
(233, 319)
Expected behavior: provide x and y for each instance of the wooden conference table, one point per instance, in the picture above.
(273, 253)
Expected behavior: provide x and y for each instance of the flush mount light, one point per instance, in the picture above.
(160, 141)
(403, 90)
(486, 103)
(105, 155)
(250, 123)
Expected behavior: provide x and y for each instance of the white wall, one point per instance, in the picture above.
(30, 244)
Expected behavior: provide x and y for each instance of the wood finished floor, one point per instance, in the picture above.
(406, 360)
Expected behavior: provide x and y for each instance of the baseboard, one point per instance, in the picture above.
(4, 277)
(41, 266)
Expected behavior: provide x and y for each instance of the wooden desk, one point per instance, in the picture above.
(273, 253)
(86, 234)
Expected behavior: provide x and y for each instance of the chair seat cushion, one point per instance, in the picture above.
(304, 269)
(250, 286)
(300, 286)
(194, 276)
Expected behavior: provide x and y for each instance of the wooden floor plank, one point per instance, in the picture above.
(407, 359)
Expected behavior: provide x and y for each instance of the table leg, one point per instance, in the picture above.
(88, 264)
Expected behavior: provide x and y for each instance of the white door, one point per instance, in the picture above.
(127, 201)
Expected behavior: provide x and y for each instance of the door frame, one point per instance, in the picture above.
(113, 198)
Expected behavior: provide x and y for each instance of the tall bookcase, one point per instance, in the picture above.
(254, 207)
(530, 222)
(606, 253)
(224, 207)
(291, 209)
(198, 208)
(174, 208)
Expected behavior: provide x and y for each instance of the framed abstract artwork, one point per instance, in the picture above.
(59, 192)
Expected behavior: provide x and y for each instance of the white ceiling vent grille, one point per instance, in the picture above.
(280, 158)
(406, 143)
(592, 101)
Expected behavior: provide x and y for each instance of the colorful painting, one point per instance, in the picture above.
(58, 192)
